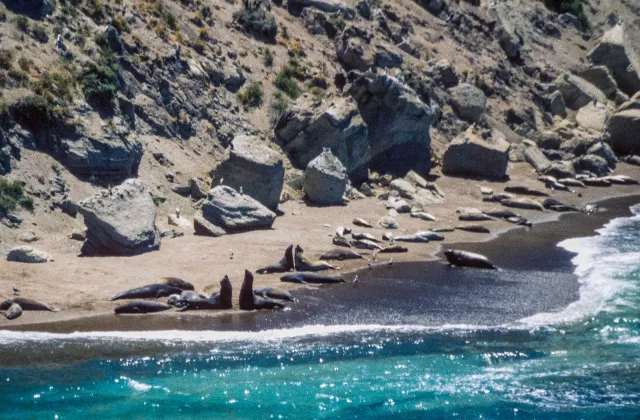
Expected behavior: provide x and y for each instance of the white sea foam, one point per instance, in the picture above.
(598, 262)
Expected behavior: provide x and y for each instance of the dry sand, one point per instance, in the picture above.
(80, 286)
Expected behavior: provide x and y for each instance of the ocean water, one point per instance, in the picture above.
(580, 362)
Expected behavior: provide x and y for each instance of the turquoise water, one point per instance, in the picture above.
(582, 362)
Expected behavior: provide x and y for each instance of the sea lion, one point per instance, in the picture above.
(361, 222)
(632, 160)
(547, 178)
(621, 180)
(365, 244)
(388, 236)
(443, 229)
(570, 182)
(270, 292)
(475, 217)
(393, 249)
(342, 231)
(249, 301)
(498, 198)
(420, 237)
(558, 186)
(141, 307)
(13, 312)
(473, 229)
(555, 205)
(596, 182)
(423, 216)
(520, 221)
(341, 241)
(176, 282)
(523, 203)
(501, 213)
(365, 236)
(305, 264)
(285, 265)
(310, 278)
(341, 254)
(522, 190)
(180, 301)
(468, 259)
(150, 291)
(26, 305)
(219, 300)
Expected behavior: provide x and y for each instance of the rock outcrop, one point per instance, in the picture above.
(475, 155)
(623, 127)
(27, 254)
(325, 179)
(234, 212)
(577, 92)
(120, 221)
(249, 164)
(593, 117)
(616, 52)
(468, 102)
(305, 130)
(398, 123)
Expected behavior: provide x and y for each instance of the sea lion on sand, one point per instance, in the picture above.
(475, 217)
(420, 237)
(523, 203)
(361, 222)
(180, 301)
(285, 265)
(473, 229)
(305, 264)
(423, 216)
(521, 190)
(392, 249)
(468, 259)
(26, 305)
(219, 300)
(249, 301)
(570, 182)
(621, 180)
(150, 291)
(341, 254)
(365, 236)
(501, 213)
(141, 307)
(498, 198)
(342, 231)
(270, 292)
(365, 244)
(520, 221)
(176, 282)
(555, 205)
(310, 278)
(596, 182)
(13, 312)
(341, 241)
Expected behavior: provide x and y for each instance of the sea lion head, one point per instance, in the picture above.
(225, 286)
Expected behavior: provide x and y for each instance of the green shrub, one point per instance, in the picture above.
(257, 22)
(22, 23)
(39, 34)
(55, 85)
(279, 105)
(12, 195)
(268, 57)
(99, 84)
(285, 78)
(25, 63)
(199, 46)
(251, 95)
(6, 59)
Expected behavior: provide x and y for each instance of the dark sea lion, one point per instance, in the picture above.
(286, 264)
(364, 236)
(270, 292)
(521, 190)
(394, 249)
(501, 213)
(219, 300)
(361, 222)
(596, 182)
(468, 259)
(633, 160)
(176, 282)
(520, 221)
(555, 205)
(150, 291)
(141, 307)
(473, 229)
(248, 301)
(341, 241)
(180, 301)
(305, 264)
(365, 244)
(523, 203)
(13, 312)
(341, 254)
(26, 305)
(498, 198)
(310, 278)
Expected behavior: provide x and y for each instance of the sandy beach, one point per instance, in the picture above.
(80, 286)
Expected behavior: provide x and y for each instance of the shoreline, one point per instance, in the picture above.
(499, 246)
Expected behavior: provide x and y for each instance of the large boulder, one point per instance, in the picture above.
(472, 155)
(593, 116)
(27, 254)
(305, 130)
(535, 157)
(235, 212)
(600, 77)
(354, 50)
(251, 165)
(623, 128)
(120, 221)
(577, 92)
(37, 9)
(557, 105)
(616, 52)
(592, 163)
(398, 123)
(468, 102)
(325, 179)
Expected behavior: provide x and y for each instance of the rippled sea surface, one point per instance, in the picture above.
(581, 362)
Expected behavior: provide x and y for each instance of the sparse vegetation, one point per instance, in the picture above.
(6, 59)
(12, 195)
(25, 63)
(279, 105)
(257, 22)
(285, 80)
(99, 83)
(268, 57)
(251, 96)
(39, 34)
(22, 23)
(55, 85)
(199, 46)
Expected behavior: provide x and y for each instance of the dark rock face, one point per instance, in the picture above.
(398, 123)
(121, 221)
(36, 9)
(471, 155)
(251, 165)
(616, 52)
(623, 127)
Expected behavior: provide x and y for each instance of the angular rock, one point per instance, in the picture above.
(560, 170)
(535, 157)
(592, 163)
(604, 151)
(353, 51)
(203, 227)
(232, 211)
(113, 38)
(305, 130)
(623, 129)
(557, 105)
(470, 155)
(181, 222)
(404, 188)
(600, 77)
(27, 254)
(593, 116)
(616, 52)
(251, 165)
(577, 92)
(468, 102)
(325, 179)
(121, 221)
(387, 59)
